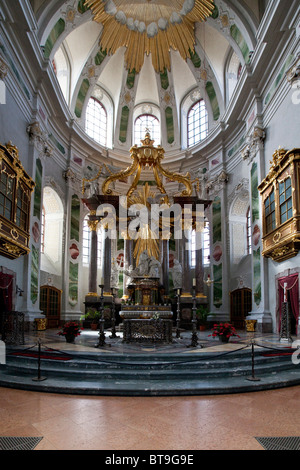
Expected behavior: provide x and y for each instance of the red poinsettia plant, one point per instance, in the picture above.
(224, 329)
(71, 328)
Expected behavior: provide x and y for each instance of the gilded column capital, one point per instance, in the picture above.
(93, 224)
(93, 221)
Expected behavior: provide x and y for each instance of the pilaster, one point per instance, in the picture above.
(253, 153)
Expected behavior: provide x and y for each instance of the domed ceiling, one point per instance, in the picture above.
(147, 56)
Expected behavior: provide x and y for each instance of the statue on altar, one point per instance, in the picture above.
(148, 266)
(129, 273)
(177, 274)
(114, 278)
(143, 266)
(154, 267)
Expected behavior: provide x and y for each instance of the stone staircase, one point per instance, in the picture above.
(152, 374)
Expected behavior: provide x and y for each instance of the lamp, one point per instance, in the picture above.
(19, 291)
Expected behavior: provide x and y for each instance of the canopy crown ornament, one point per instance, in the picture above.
(149, 27)
(150, 157)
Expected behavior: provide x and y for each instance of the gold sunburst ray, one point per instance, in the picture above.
(150, 28)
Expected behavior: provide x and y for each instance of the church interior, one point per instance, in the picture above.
(149, 221)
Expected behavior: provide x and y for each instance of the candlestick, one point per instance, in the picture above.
(113, 317)
(101, 341)
(284, 292)
(178, 314)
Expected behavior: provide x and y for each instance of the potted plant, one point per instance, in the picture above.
(70, 330)
(92, 316)
(224, 331)
(202, 314)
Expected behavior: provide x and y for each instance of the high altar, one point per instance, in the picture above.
(146, 217)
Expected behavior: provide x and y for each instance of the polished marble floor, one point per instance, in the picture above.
(221, 422)
(88, 339)
(227, 422)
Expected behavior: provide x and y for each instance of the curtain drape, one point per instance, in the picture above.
(292, 286)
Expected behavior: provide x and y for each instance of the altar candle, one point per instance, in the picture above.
(284, 292)
(194, 282)
(178, 291)
(101, 281)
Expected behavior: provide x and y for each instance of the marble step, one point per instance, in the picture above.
(147, 367)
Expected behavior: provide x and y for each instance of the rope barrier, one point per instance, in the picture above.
(168, 364)
(190, 360)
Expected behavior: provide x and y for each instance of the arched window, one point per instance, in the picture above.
(197, 123)
(52, 232)
(233, 73)
(143, 122)
(96, 121)
(205, 246)
(62, 70)
(86, 243)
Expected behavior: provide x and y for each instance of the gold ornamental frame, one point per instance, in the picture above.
(148, 156)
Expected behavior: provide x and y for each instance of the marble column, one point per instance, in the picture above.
(199, 271)
(92, 223)
(165, 265)
(186, 268)
(106, 262)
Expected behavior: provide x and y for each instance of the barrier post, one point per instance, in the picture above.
(252, 378)
(39, 377)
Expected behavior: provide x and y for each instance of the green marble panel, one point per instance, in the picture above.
(81, 97)
(195, 59)
(100, 56)
(57, 144)
(82, 8)
(131, 79)
(57, 30)
(35, 255)
(164, 79)
(38, 190)
(213, 100)
(215, 12)
(170, 125)
(257, 276)
(120, 244)
(15, 71)
(279, 78)
(237, 146)
(254, 193)
(120, 287)
(239, 39)
(217, 220)
(73, 283)
(124, 124)
(75, 218)
(218, 288)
